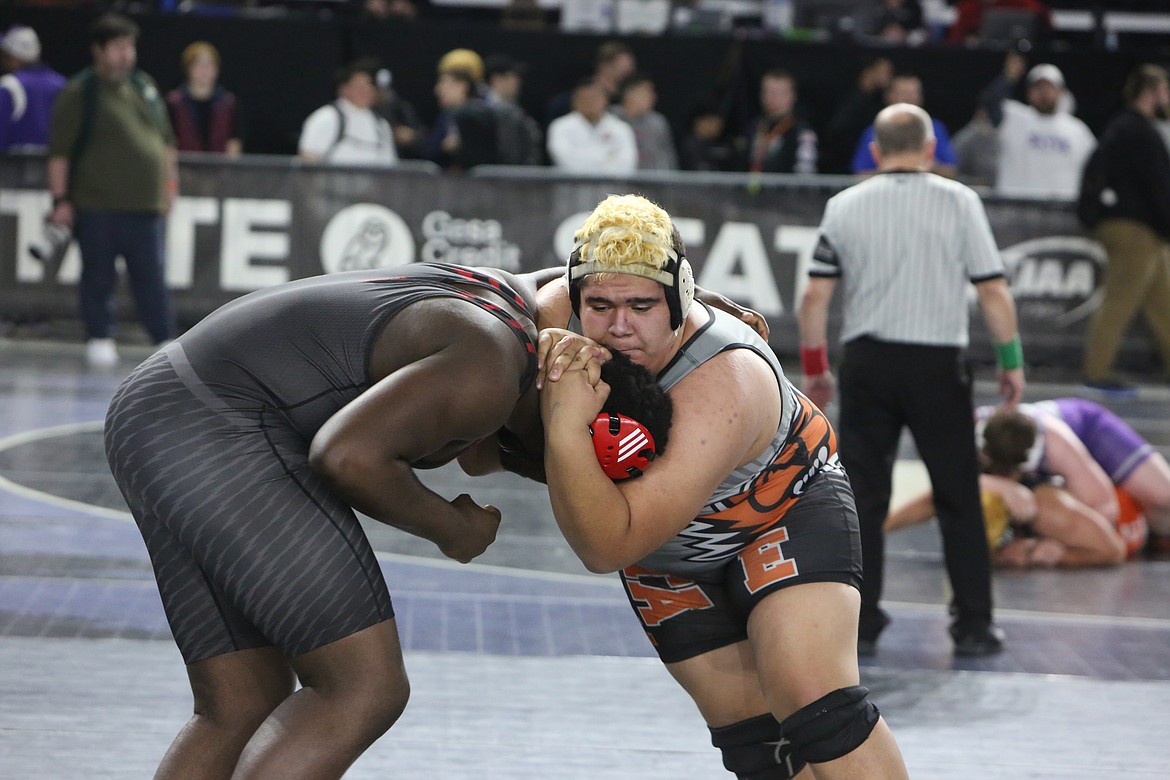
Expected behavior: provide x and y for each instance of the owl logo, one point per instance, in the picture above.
(366, 236)
(365, 249)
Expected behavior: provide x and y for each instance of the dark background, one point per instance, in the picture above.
(282, 68)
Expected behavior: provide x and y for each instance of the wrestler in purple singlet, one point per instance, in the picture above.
(1118, 448)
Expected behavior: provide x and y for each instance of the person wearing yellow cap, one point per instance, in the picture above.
(462, 59)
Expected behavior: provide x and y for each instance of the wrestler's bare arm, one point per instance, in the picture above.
(912, 511)
(1020, 502)
(1088, 538)
(553, 306)
(719, 423)
(427, 410)
(749, 316)
(1066, 455)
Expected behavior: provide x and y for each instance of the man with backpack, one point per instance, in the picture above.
(113, 175)
(519, 138)
(348, 130)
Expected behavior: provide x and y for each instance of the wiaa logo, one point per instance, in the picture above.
(1056, 278)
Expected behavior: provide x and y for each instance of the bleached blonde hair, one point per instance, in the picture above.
(627, 234)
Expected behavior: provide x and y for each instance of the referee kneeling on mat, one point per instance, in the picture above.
(905, 244)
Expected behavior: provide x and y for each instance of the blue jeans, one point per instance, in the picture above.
(139, 238)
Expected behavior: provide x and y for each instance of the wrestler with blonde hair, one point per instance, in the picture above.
(739, 549)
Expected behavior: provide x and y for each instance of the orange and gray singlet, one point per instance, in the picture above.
(753, 498)
(208, 441)
(784, 519)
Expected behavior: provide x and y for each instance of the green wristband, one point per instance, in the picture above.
(1010, 356)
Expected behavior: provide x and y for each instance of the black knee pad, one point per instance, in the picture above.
(832, 726)
(754, 749)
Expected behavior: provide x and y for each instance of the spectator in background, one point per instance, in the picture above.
(205, 116)
(907, 88)
(466, 129)
(1125, 201)
(969, 16)
(505, 78)
(855, 113)
(614, 62)
(708, 147)
(651, 130)
(347, 130)
(405, 125)
(780, 141)
(463, 59)
(896, 21)
(590, 139)
(110, 126)
(520, 140)
(526, 15)
(1042, 147)
(1162, 123)
(977, 147)
(27, 91)
(382, 10)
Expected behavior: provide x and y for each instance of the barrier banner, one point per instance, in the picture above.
(247, 224)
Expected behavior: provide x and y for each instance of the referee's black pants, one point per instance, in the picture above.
(885, 386)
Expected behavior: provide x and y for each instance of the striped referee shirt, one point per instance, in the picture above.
(904, 245)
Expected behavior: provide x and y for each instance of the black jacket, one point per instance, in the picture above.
(1128, 175)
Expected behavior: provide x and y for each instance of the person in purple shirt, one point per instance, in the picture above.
(27, 92)
(907, 88)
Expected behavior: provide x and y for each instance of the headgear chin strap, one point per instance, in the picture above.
(677, 278)
(623, 446)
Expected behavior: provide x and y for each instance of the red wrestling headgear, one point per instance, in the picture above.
(624, 447)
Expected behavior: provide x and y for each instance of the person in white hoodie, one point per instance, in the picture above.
(1042, 146)
(590, 139)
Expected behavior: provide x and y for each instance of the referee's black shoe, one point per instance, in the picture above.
(976, 637)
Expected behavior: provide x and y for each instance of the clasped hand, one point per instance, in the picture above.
(559, 350)
(569, 377)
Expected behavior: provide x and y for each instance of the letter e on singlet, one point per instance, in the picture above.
(764, 563)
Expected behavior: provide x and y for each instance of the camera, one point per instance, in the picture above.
(50, 247)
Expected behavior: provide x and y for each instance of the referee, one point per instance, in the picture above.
(905, 244)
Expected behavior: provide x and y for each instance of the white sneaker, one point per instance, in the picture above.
(101, 353)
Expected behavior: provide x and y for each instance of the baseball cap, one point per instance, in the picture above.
(1046, 72)
(462, 59)
(22, 43)
(503, 63)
